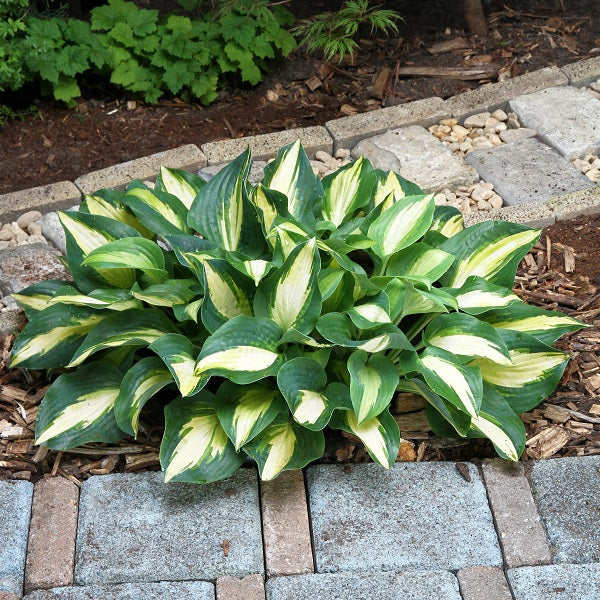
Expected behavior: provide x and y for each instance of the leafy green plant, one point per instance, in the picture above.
(260, 315)
(333, 33)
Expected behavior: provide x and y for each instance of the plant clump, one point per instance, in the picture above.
(261, 315)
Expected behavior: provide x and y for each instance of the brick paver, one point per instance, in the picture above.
(483, 583)
(251, 587)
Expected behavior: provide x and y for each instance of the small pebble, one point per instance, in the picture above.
(495, 201)
(342, 153)
(448, 122)
(500, 127)
(477, 120)
(440, 200)
(512, 123)
(6, 235)
(583, 165)
(29, 217)
(34, 229)
(500, 115)
(483, 205)
(593, 174)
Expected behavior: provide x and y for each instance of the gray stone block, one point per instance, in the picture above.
(11, 321)
(256, 171)
(566, 118)
(52, 230)
(583, 71)
(24, 265)
(527, 172)
(531, 214)
(421, 515)
(556, 582)
(266, 146)
(44, 198)
(164, 590)
(188, 157)
(483, 583)
(566, 493)
(418, 156)
(496, 95)
(414, 585)
(136, 528)
(510, 136)
(15, 506)
(582, 202)
(348, 131)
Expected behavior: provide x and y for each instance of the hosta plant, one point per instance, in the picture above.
(260, 315)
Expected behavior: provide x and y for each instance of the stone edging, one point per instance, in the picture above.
(342, 133)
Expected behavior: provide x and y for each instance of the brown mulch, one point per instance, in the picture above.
(561, 272)
(58, 143)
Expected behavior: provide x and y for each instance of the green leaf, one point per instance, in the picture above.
(112, 208)
(195, 448)
(477, 296)
(420, 260)
(110, 299)
(246, 410)
(447, 220)
(36, 297)
(373, 381)
(243, 350)
(78, 408)
(53, 335)
(284, 445)
(181, 184)
(170, 293)
(391, 187)
(290, 296)
(141, 382)
(373, 311)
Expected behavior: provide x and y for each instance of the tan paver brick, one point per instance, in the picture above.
(286, 531)
(52, 533)
(483, 583)
(518, 522)
(251, 587)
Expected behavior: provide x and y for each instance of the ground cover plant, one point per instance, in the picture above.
(260, 315)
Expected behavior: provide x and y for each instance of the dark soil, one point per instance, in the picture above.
(56, 143)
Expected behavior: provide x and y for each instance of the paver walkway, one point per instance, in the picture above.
(419, 531)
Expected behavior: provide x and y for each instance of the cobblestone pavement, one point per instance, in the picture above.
(418, 531)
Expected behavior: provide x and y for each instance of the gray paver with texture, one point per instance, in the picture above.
(422, 515)
(405, 585)
(556, 582)
(583, 71)
(528, 171)
(566, 491)
(164, 590)
(15, 510)
(173, 531)
(565, 117)
(573, 204)
(418, 156)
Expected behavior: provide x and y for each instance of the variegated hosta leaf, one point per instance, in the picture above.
(346, 190)
(179, 354)
(293, 336)
(84, 233)
(420, 260)
(223, 214)
(418, 301)
(111, 299)
(391, 187)
(181, 184)
(270, 204)
(340, 330)
(371, 312)
(447, 220)
(188, 312)
(401, 225)
(303, 383)
(243, 350)
(287, 233)
(36, 297)
(246, 410)
(195, 448)
(159, 211)
(78, 408)
(142, 381)
(191, 243)
(336, 287)
(373, 381)
(284, 445)
(170, 293)
(254, 269)
(467, 336)
(227, 294)
(291, 174)
(133, 327)
(545, 325)
(380, 434)
(53, 335)
(97, 205)
(290, 295)
(491, 250)
(535, 371)
(460, 385)
(129, 253)
(477, 295)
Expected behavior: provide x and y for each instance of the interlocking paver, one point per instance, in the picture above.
(418, 156)
(15, 510)
(565, 117)
(566, 491)
(164, 590)
(556, 582)
(483, 583)
(137, 528)
(251, 587)
(423, 515)
(413, 585)
(528, 171)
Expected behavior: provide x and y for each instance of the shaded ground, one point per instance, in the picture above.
(56, 143)
(567, 424)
